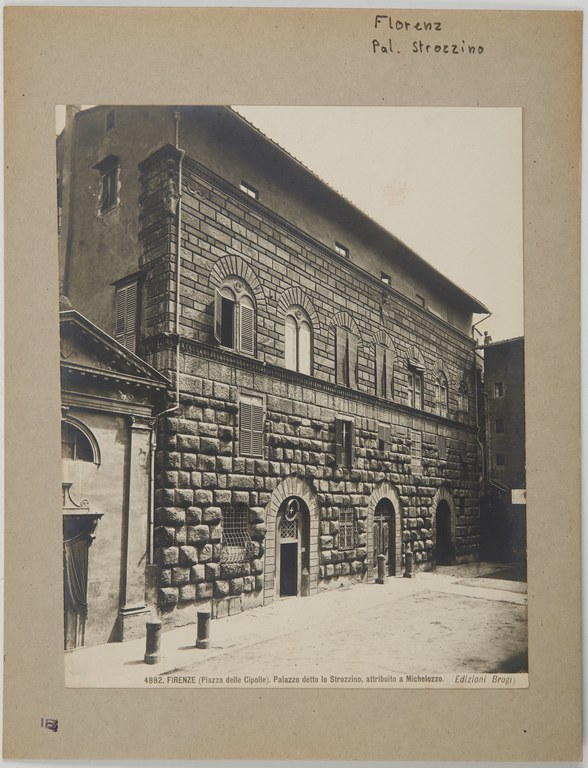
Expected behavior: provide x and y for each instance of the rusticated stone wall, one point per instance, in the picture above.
(200, 471)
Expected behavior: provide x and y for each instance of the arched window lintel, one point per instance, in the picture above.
(86, 432)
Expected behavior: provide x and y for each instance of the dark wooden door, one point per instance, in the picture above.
(288, 569)
(444, 546)
(385, 535)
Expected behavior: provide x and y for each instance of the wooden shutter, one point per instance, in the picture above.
(245, 428)
(384, 435)
(352, 360)
(418, 390)
(257, 430)
(304, 348)
(410, 393)
(338, 442)
(442, 445)
(247, 334)
(340, 342)
(378, 367)
(126, 316)
(290, 338)
(351, 442)
(218, 315)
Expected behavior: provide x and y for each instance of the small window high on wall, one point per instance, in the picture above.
(109, 170)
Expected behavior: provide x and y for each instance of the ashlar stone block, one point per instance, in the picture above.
(188, 555)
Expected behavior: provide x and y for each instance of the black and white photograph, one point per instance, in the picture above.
(293, 342)
(292, 369)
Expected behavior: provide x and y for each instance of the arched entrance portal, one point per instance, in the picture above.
(384, 528)
(306, 540)
(385, 535)
(292, 548)
(444, 548)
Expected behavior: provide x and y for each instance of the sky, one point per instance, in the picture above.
(446, 181)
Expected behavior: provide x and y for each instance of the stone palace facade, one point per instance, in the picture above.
(322, 399)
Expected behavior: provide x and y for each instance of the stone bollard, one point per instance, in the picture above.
(408, 565)
(203, 636)
(152, 642)
(305, 583)
(381, 569)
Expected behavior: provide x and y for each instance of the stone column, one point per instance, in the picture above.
(134, 552)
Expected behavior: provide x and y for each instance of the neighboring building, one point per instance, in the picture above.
(504, 507)
(108, 396)
(323, 401)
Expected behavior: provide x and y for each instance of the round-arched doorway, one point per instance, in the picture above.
(292, 548)
(444, 554)
(384, 533)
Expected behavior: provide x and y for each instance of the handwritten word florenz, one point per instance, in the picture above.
(419, 26)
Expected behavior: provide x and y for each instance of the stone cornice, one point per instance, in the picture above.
(226, 357)
(106, 404)
(87, 371)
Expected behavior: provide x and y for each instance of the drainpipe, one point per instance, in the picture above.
(175, 407)
(482, 447)
(151, 508)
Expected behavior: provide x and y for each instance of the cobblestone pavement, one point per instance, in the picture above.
(459, 619)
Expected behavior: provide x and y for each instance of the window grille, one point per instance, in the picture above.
(347, 528)
(289, 529)
(236, 544)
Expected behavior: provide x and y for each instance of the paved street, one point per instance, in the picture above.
(458, 619)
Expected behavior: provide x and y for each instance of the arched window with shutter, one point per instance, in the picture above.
(234, 316)
(298, 341)
(441, 394)
(345, 357)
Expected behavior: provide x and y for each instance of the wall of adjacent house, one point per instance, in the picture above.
(504, 362)
(104, 488)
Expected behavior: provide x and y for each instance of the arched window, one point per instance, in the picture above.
(75, 445)
(298, 341)
(463, 401)
(384, 372)
(234, 316)
(441, 394)
(345, 357)
(415, 378)
(79, 453)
